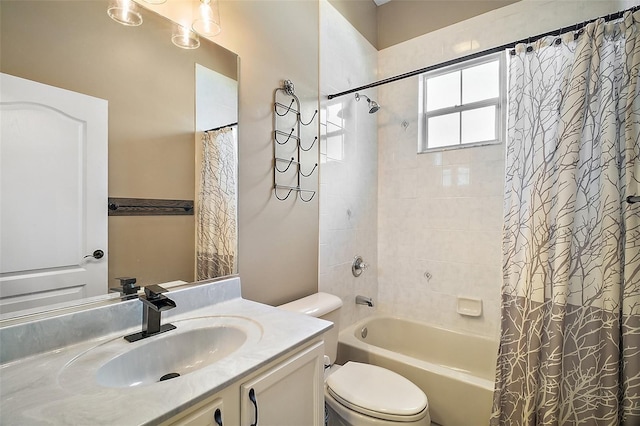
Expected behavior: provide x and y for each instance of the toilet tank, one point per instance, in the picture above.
(324, 306)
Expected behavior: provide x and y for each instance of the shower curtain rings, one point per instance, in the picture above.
(529, 47)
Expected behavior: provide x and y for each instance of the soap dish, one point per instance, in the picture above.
(469, 307)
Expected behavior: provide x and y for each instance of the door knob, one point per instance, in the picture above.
(98, 254)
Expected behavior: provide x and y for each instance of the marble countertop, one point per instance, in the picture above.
(34, 391)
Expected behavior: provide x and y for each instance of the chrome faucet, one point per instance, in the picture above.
(362, 300)
(358, 266)
(153, 303)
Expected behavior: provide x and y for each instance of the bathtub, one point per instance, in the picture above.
(455, 370)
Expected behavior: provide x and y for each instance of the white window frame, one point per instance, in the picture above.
(499, 102)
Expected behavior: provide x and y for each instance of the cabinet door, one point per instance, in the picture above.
(210, 415)
(290, 394)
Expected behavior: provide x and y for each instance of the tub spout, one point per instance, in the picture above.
(362, 300)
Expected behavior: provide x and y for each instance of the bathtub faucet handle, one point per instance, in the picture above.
(358, 266)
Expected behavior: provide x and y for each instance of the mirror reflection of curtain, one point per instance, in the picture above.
(570, 340)
(216, 214)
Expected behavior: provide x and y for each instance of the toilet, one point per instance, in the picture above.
(358, 394)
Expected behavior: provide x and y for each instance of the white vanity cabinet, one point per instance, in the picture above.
(291, 393)
(288, 391)
(212, 414)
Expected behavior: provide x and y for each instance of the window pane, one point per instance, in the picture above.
(335, 142)
(443, 130)
(334, 114)
(481, 82)
(443, 91)
(479, 124)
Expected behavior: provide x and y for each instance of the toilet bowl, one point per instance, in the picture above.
(358, 394)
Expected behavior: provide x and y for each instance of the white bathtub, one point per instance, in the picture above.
(455, 370)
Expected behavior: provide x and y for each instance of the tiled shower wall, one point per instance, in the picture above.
(440, 214)
(348, 168)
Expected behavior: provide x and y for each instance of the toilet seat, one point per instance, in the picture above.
(377, 392)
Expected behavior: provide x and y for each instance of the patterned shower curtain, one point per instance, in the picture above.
(570, 333)
(216, 233)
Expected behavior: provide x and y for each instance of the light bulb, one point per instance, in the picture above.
(124, 12)
(184, 38)
(207, 22)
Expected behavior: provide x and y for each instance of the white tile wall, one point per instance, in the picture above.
(410, 214)
(348, 169)
(441, 213)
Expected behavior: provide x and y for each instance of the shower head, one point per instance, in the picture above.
(373, 105)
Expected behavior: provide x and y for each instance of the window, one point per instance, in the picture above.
(463, 104)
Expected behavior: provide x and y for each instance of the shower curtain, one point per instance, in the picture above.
(216, 238)
(570, 333)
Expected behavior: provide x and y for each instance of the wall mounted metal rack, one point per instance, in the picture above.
(288, 147)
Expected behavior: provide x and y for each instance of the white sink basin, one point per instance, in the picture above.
(194, 344)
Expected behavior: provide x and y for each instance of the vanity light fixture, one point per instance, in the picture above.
(184, 38)
(207, 22)
(155, 1)
(124, 12)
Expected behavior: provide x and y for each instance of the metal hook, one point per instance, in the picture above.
(313, 193)
(278, 132)
(275, 192)
(311, 172)
(278, 104)
(306, 124)
(311, 146)
(288, 165)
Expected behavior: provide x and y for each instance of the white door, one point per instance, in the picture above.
(53, 195)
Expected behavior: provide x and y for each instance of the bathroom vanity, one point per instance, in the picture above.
(239, 363)
(286, 392)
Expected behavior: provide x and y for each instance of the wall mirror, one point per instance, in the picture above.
(162, 101)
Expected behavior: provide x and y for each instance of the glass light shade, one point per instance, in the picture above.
(155, 1)
(207, 22)
(184, 38)
(124, 12)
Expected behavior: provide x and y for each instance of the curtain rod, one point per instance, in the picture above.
(562, 30)
(221, 127)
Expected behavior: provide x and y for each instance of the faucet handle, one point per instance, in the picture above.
(154, 291)
(127, 286)
(358, 266)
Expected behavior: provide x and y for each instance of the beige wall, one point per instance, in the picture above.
(362, 15)
(278, 240)
(149, 84)
(401, 20)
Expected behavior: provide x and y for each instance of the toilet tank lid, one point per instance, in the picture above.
(316, 305)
